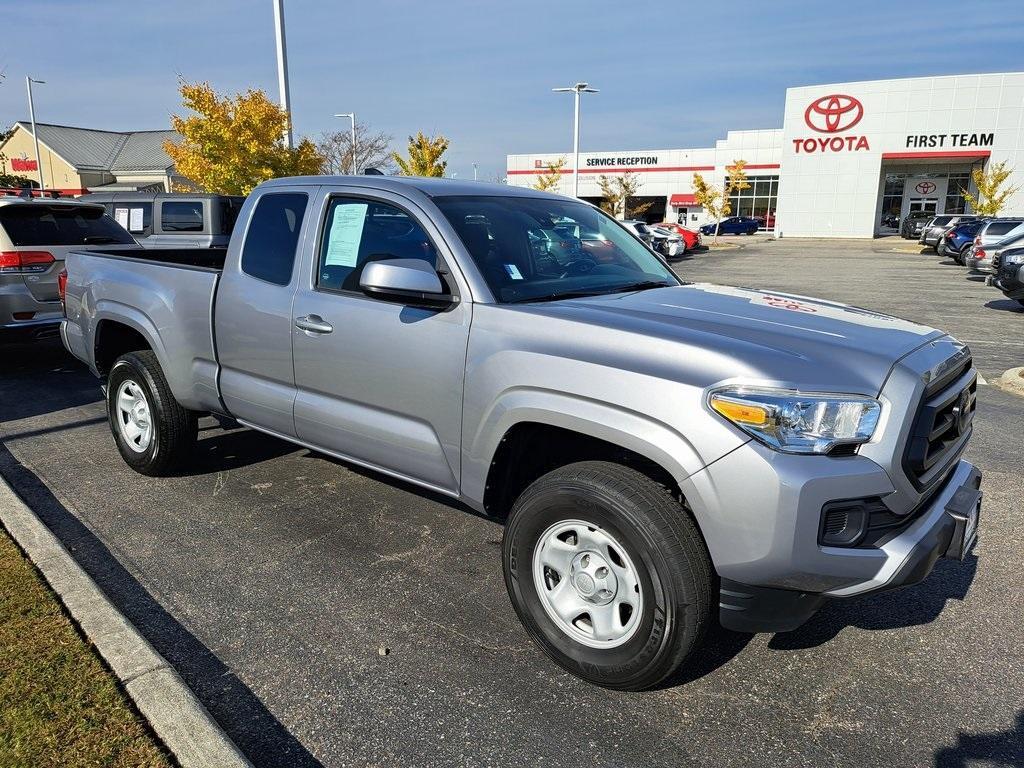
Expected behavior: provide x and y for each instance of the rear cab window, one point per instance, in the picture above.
(1001, 227)
(268, 253)
(34, 224)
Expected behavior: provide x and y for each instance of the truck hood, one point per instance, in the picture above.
(764, 335)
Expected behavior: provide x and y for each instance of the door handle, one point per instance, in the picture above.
(313, 324)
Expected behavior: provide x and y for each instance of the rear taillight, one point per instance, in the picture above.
(950, 236)
(979, 253)
(25, 262)
(62, 286)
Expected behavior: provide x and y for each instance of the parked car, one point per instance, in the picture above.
(995, 231)
(957, 240)
(661, 453)
(914, 222)
(35, 235)
(691, 237)
(939, 225)
(640, 229)
(734, 225)
(667, 242)
(891, 220)
(1009, 274)
(170, 219)
(767, 221)
(983, 257)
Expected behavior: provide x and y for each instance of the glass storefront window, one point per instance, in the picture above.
(759, 200)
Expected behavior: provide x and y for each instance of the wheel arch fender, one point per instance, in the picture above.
(628, 429)
(111, 313)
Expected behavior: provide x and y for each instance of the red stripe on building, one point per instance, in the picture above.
(641, 169)
(977, 153)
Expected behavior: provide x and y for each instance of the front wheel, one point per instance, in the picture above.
(608, 573)
(153, 432)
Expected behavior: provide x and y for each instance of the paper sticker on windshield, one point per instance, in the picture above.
(513, 272)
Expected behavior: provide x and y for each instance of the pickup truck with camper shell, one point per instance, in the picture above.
(663, 454)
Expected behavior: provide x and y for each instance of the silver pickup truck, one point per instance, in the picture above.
(663, 454)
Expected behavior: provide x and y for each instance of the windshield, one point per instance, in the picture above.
(533, 249)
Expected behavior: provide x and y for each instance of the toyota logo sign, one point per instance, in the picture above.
(834, 113)
(925, 187)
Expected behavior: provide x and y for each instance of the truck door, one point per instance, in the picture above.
(378, 382)
(253, 314)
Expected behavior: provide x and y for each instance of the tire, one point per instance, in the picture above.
(654, 545)
(156, 434)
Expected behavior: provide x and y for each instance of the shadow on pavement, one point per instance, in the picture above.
(1005, 305)
(906, 607)
(999, 748)
(242, 715)
(719, 648)
(69, 383)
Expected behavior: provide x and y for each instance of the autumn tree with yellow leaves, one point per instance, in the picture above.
(549, 180)
(992, 190)
(232, 143)
(424, 157)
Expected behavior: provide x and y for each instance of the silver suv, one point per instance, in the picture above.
(978, 257)
(35, 235)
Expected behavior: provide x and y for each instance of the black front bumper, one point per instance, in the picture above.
(749, 608)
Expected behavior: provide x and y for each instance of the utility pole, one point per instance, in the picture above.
(474, 171)
(282, 68)
(35, 133)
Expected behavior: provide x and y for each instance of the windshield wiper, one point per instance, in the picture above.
(557, 296)
(643, 285)
(639, 286)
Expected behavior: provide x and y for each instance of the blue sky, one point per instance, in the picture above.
(671, 74)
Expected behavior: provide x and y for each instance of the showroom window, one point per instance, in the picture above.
(892, 194)
(958, 184)
(758, 201)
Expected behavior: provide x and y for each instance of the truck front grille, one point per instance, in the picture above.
(942, 425)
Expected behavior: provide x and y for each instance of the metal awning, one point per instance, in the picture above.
(683, 201)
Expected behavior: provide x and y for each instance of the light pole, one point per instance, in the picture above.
(576, 90)
(351, 116)
(282, 68)
(35, 134)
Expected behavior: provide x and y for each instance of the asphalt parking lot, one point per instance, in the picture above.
(328, 616)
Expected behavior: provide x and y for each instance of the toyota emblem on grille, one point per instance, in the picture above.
(962, 412)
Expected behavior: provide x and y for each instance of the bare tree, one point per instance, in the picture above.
(373, 150)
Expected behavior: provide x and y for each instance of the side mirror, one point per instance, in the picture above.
(407, 281)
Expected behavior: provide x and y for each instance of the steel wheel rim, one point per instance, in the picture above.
(588, 584)
(134, 420)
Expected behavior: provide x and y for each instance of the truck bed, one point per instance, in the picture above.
(203, 258)
(166, 295)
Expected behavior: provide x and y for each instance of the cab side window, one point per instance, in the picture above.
(272, 237)
(358, 231)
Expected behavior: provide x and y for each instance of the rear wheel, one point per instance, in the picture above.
(608, 573)
(152, 431)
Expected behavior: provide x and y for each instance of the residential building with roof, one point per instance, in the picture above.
(80, 160)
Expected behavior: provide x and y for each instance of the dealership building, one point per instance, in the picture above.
(847, 158)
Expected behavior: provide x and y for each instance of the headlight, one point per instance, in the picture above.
(1014, 258)
(794, 422)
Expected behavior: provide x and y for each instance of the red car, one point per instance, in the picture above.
(690, 236)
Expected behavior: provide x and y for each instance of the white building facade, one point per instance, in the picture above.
(849, 160)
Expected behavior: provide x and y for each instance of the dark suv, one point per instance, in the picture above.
(955, 240)
(914, 222)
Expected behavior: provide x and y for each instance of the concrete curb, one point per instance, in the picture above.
(170, 707)
(1012, 381)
